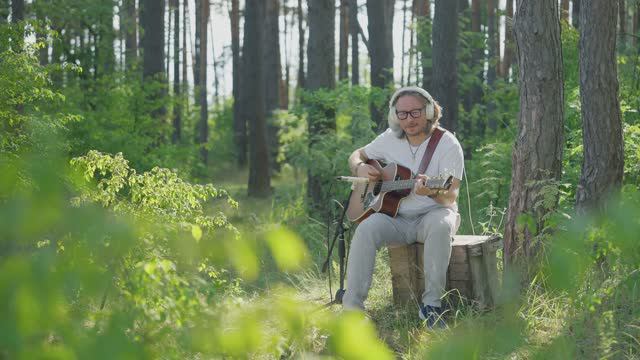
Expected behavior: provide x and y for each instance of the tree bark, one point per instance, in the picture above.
(321, 75)
(477, 57)
(508, 41)
(564, 10)
(272, 74)
(636, 18)
(491, 61)
(424, 33)
(130, 28)
(603, 164)
(343, 66)
(152, 22)
(239, 121)
(196, 50)
(380, 14)
(575, 14)
(4, 11)
(177, 109)
(17, 11)
(622, 18)
(301, 79)
(355, 53)
(537, 152)
(253, 84)
(203, 124)
(445, 67)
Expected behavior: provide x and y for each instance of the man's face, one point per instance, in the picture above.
(412, 126)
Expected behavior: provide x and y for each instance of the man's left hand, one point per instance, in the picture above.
(421, 189)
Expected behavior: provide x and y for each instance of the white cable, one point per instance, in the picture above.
(466, 183)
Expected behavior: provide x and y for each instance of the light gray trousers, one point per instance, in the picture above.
(434, 229)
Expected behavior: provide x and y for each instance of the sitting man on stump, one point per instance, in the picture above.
(426, 215)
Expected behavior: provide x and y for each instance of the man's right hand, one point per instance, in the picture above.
(368, 171)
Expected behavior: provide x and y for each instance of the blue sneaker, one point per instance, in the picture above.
(432, 315)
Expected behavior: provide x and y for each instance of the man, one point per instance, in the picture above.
(426, 215)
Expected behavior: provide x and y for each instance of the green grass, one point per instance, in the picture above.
(539, 324)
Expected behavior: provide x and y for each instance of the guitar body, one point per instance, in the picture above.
(367, 198)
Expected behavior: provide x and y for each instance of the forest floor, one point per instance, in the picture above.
(541, 316)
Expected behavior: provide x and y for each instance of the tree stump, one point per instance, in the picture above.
(472, 275)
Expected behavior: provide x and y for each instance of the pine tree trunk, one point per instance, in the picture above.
(17, 10)
(152, 23)
(622, 19)
(253, 85)
(477, 58)
(445, 67)
(422, 12)
(537, 152)
(403, 53)
(603, 164)
(272, 71)
(575, 14)
(636, 18)
(355, 53)
(491, 60)
(130, 28)
(508, 41)
(177, 108)
(321, 75)
(43, 53)
(196, 50)
(239, 121)
(106, 58)
(301, 79)
(343, 65)
(4, 11)
(380, 13)
(564, 10)
(203, 125)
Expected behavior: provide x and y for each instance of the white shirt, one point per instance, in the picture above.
(447, 160)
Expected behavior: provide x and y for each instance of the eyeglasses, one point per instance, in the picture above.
(415, 113)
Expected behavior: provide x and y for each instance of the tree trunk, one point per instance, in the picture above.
(177, 108)
(537, 152)
(301, 79)
(253, 84)
(343, 66)
(622, 18)
(130, 29)
(321, 75)
(17, 10)
(508, 41)
(464, 58)
(564, 10)
(196, 51)
(445, 67)
(105, 52)
(477, 57)
(239, 121)
(636, 18)
(403, 53)
(424, 32)
(43, 53)
(4, 11)
(575, 14)
(602, 168)
(272, 74)
(491, 60)
(152, 22)
(355, 53)
(203, 125)
(380, 14)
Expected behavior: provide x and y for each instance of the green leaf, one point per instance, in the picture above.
(287, 248)
(196, 232)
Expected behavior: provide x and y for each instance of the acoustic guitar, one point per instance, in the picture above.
(385, 195)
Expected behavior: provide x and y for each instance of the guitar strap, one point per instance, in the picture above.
(431, 147)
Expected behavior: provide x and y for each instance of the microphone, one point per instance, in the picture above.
(353, 179)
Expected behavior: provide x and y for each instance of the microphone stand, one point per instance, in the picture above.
(339, 236)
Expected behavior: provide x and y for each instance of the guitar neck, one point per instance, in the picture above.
(408, 184)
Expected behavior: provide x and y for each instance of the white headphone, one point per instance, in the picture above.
(430, 111)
